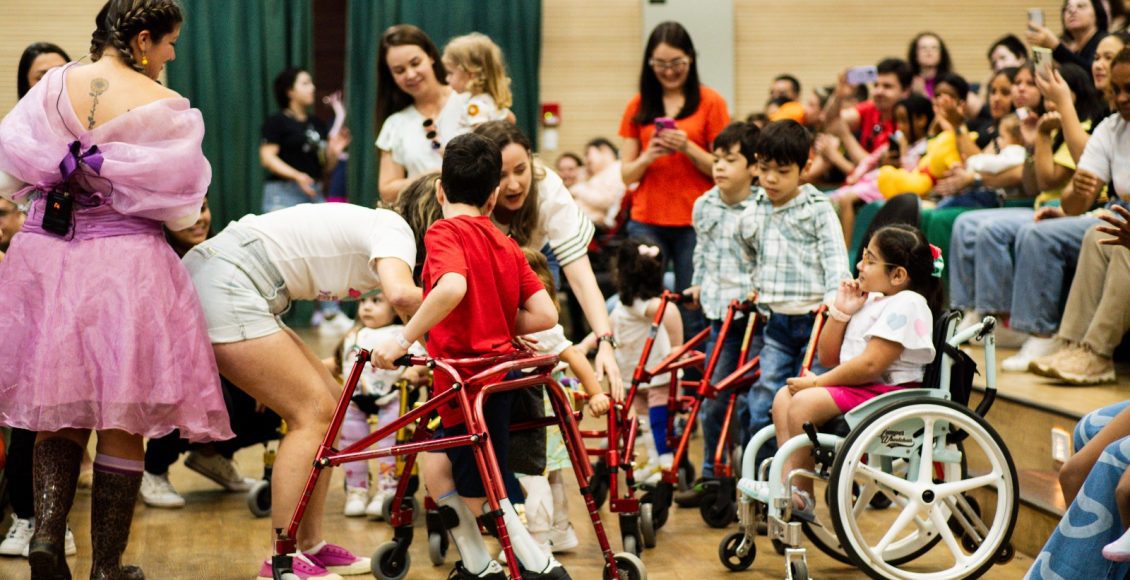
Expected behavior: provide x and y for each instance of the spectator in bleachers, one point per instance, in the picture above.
(1007, 52)
(1108, 48)
(870, 122)
(671, 165)
(786, 86)
(929, 61)
(1084, 24)
(600, 196)
(571, 168)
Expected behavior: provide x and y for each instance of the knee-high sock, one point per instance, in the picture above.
(525, 548)
(466, 535)
(539, 504)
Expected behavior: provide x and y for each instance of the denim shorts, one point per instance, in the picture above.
(279, 194)
(242, 292)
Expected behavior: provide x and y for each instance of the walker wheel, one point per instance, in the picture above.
(1006, 554)
(685, 475)
(389, 563)
(437, 548)
(798, 570)
(631, 546)
(259, 499)
(647, 525)
(712, 514)
(628, 567)
(728, 552)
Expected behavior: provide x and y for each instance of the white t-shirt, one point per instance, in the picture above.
(466, 112)
(1109, 142)
(631, 325)
(375, 382)
(551, 341)
(328, 251)
(403, 135)
(561, 222)
(904, 318)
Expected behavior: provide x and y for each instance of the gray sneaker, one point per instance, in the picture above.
(220, 470)
(158, 491)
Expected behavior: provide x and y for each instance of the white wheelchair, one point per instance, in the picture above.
(904, 472)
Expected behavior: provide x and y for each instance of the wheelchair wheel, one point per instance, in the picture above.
(647, 525)
(598, 484)
(390, 563)
(728, 552)
(628, 566)
(437, 548)
(259, 499)
(798, 570)
(919, 439)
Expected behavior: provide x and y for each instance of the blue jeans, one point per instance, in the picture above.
(978, 198)
(786, 341)
(980, 258)
(1092, 520)
(677, 244)
(714, 410)
(278, 194)
(1046, 253)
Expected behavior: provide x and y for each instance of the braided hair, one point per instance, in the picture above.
(120, 21)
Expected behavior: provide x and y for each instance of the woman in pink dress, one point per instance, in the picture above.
(107, 333)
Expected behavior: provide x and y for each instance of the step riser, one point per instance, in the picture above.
(1033, 525)
(1026, 431)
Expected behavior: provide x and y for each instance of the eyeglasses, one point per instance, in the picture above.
(870, 259)
(431, 134)
(676, 65)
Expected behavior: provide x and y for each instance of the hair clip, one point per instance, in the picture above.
(650, 251)
(939, 262)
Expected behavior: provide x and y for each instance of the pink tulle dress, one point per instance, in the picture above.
(102, 328)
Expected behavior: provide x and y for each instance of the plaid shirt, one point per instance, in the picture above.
(720, 265)
(796, 252)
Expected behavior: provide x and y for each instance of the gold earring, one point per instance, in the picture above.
(144, 59)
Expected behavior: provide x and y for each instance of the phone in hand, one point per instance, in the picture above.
(1036, 16)
(861, 75)
(1043, 58)
(663, 123)
(893, 144)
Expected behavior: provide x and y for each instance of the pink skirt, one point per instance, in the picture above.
(848, 398)
(105, 333)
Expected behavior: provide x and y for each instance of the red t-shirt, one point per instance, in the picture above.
(874, 131)
(499, 281)
(670, 186)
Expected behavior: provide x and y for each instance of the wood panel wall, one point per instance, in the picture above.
(591, 50)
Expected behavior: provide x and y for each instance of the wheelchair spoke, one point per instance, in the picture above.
(948, 489)
(866, 492)
(908, 513)
(944, 530)
(899, 485)
(926, 462)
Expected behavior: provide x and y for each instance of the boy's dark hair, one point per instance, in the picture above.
(471, 168)
(284, 82)
(738, 133)
(28, 57)
(916, 106)
(958, 82)
(898, 67)
(791, 80)
(602, 142)
(1013, 44)
(905, 245)
(784, 142)
(638, 276)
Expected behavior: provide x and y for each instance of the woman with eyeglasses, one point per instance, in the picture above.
(297, 150)
(667, 129)
(1084, 23)
(412, 95)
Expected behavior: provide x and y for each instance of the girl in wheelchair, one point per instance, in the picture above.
(878, 338)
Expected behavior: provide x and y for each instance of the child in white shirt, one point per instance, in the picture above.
(476, 70)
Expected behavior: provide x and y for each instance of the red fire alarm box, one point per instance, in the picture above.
(550, 114)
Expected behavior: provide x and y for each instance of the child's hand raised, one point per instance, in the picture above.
(850, 297)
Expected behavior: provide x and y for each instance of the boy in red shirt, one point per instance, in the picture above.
(479, 293)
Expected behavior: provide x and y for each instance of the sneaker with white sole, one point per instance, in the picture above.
(158, 491)
(1042, 366)
(338, 560)
(1084, 367)
(220, 470)
(375, 509)
(1033, 348)
(563, 540)
(302, 567)
(1008, 338)
(19, 536)
(356, 498)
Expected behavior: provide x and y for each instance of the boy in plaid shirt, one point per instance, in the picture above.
(722, 274)
(796, 252)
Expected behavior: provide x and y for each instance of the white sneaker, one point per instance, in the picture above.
(1009, 338)
(157, 491)
(563, 540)
(18, 538)
(373, 510)
(69, 547)
(1032, 349)
(220, 470)
(356, 499)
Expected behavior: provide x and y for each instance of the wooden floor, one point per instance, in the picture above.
(216, 537)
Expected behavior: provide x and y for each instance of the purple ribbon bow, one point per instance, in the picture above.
(92, 158)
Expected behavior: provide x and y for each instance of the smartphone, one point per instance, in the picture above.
(893, 143)
(1022, 113)
(862, 75)
(662, 123)
(1043, 58)
(1036, 16)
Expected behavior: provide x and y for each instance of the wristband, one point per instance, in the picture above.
(836, 314)
(402, 341)
(609, 338)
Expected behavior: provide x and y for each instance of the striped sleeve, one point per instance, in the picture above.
(569, 231)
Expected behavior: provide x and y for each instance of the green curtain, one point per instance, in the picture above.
(514, 24)
(227, 58)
